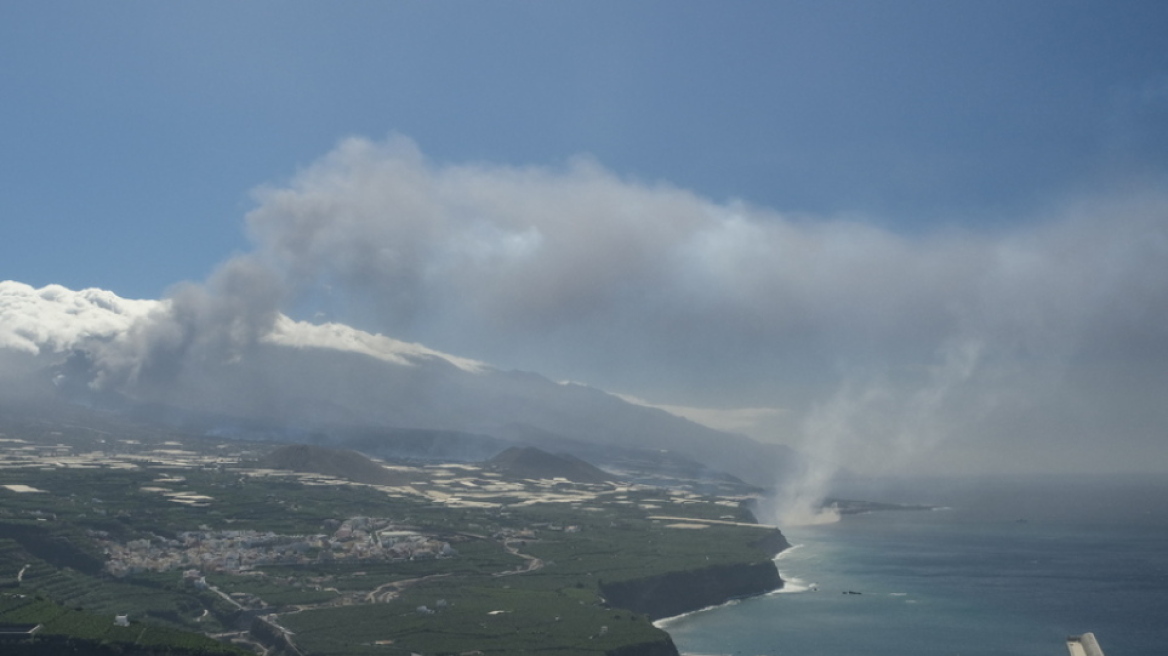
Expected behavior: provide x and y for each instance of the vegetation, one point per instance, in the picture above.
(491, 564)
(67, 630)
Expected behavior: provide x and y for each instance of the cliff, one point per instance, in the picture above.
(663, 647)
(674, 593)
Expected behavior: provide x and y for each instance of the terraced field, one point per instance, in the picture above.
(455, 560)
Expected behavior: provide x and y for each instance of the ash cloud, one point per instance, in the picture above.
(654, 290)
(1012, 348)
(536, 253)
(198, 326)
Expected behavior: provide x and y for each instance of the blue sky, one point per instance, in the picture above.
(810, 217)
(134, 131)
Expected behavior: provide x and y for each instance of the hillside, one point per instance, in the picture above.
(335, 382)
(532, 463)
(337, 463)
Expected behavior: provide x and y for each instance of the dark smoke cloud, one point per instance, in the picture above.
(199, 325)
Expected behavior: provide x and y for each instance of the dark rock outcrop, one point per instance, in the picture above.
(773, 543)
(664, 647)
(674, 593)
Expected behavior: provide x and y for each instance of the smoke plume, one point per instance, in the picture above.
(1018, 346)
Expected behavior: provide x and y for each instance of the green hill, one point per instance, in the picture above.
(340, 463)
(530, 462)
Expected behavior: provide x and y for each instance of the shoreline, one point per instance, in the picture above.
(664, 622)
(928, 582)
(679, 592)
(794, 585)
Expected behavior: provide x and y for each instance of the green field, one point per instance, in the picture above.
(516, 577)
(69, 630)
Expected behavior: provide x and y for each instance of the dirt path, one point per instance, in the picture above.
(532, 565)
(388, 591)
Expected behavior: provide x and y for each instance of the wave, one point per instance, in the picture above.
(792, 585)
(787, 552)
(666, 621)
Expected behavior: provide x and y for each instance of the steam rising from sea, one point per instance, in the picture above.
(903, 422)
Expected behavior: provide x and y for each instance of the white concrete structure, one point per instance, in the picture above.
(1084, 645)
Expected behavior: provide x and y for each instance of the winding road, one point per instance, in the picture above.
(533, 563)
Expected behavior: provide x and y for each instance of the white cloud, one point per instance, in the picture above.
(56, 319)
(301, 334)
(750, 421)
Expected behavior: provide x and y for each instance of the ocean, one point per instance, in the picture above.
(1004, 566)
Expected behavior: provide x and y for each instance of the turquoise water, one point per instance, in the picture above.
(1003, 571)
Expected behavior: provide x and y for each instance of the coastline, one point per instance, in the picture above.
(670, 596)
(664, 622)
(676, 593)
(788, 586)
(936, 579)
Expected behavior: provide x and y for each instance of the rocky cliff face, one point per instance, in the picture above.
(663, 647)
(675, 593)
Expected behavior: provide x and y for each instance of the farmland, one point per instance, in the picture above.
(192, 540)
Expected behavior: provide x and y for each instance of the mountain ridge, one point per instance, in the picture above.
(310, 377)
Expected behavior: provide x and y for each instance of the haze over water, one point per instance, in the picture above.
(1012, 566)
